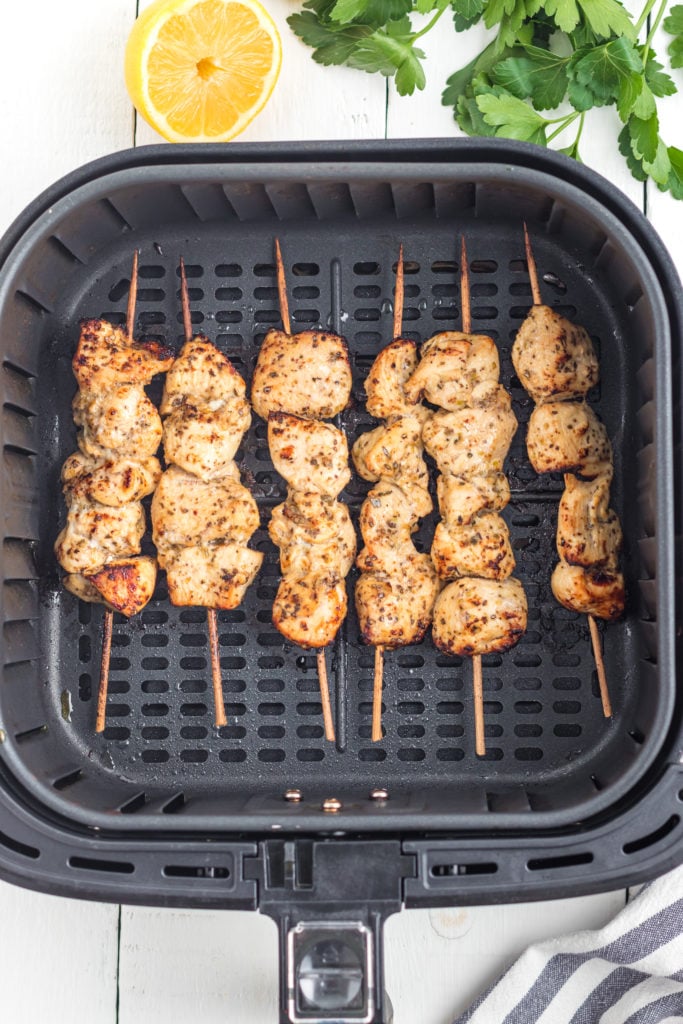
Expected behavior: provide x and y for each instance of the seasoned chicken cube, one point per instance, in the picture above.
(211, 576)
(311, 456)
(112, 482)
(451, 365)
(204, 439)
(387, 521)
(599, 592)
(395, 608)
(187, 511)
(385, 382)
(313, 533)
(474, 440)
(120, 421)
(481, 548)
(106, 356)
(308, 610)
(568, 437)
(588, 530)
(94, 534)
(395, 453)
(460, 499)
(553, 358)
(202, 375)
(123, 585)
(306, 374)
(477, 616)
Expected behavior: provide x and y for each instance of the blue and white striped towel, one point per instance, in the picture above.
(629, 972)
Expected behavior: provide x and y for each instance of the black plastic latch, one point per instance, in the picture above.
(330, 899)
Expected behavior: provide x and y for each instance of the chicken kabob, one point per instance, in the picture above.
(202, 515)
(115, 467)
(484, 609)
(301, 380)
(396, 590)
(557, 365)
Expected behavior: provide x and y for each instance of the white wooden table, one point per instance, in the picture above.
(65, 961)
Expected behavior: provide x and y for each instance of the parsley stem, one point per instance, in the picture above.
(564, 123)
(430, 25)
(651, 33)
(643, 15)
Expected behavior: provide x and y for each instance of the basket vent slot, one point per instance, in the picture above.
(115, 867)
(453, 870)
(553, 863)
(219, 872)
(652, 837)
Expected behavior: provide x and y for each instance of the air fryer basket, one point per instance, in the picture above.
(563, 801)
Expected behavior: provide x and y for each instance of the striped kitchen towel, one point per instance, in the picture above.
(629, 972)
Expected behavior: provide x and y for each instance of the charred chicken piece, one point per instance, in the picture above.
(120, 421)
(554, 358)
(123, 585)
(306, 374)
(473, 441)
(461, 498)
(395, 608)
(314, 533)
(478, 616)
(107, 356)
(596, 591)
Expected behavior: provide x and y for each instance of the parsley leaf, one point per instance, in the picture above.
(330, 46)
(674, 26)
(660, 83)
(539, 75)
(466, 13)
(512, 117)
(675, 180)
(608, 71)
(635, 165)
(644, 137)
(607, 18)
(371, 12)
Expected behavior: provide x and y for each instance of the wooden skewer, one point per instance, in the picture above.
(378, 680)
(211, 620)
(477, 675)
(108, 625)
(328, 721)
(592, 624)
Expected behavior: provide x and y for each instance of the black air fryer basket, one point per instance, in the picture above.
(164, 809)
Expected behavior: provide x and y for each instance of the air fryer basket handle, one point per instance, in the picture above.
(330, 899)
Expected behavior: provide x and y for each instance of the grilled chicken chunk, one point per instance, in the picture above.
(452, 365)
(308, 610)
(553, 358)
(120, 421)
(204, 439)
(568, 437)
(482, 548)
(314, 534)
(395, 609)
(310, 455)
(187, 511)
(386, 381)
(306, 374)
(95, 534)
(597, 591)
(395, 453)
(211, 576)
(106, 356)
(398, 585)
(113, 481)
(477, 616)
(202, 375)
(461, 498)
(588, 530)
(473, 441)
(123, 585)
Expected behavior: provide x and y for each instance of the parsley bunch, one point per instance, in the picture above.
(544, 52)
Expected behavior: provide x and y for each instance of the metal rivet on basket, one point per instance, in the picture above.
(332, 805)
(379, 794)
(293, 796)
